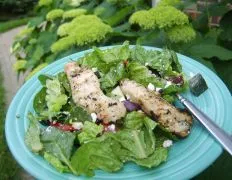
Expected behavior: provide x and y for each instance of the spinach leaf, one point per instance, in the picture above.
(43, 78)
(59, 144)
(32, 137)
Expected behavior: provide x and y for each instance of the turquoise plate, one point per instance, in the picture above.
(187, 157)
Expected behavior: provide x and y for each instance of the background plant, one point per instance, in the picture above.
(64, 27)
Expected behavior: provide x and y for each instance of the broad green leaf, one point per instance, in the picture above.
(46, 39)
(225, 24)
(36, 21)
(209, 51)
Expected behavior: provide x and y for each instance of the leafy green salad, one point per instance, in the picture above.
(72, 140)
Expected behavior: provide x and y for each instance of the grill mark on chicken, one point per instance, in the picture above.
(87, 93)
(174, 120)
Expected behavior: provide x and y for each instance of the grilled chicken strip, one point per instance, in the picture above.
(168, 116)
(87, 93)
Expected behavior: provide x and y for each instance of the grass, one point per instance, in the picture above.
(5, 26)
(8, 166)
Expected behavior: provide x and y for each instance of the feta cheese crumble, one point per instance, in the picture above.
(94, 117)
(168, 83)
(127, 97)
(158, 89)
(191, 74)
(122, 99)
(94, 69)
(167, 143)
(77, 125)
(151, 87)
(111, 127)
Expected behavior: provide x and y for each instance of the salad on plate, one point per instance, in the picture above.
(108, 108)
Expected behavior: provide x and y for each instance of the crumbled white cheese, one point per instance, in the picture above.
(94, 117)
(150, 87)
(127, 97)
(168, 83)
(146, 64)
(77, 125)
(191, 74)
(122, 99)
(167, 143)
(111, 127)
(158, 89)
(94, 69)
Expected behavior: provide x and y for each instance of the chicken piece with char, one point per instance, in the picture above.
(174, 120)
(86, 92)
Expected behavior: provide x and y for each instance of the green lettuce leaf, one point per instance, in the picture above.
(165, 62)
(155, 159)
(89, 132)
(32, 137)
(142, 75)
(111, 78)
(55, 162)
(62, 77)
(136, 120)
(103, 60)
(39, 103)
(55, 97)
(59, 144)
(95, 155)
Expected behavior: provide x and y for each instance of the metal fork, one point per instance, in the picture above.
(220, 135)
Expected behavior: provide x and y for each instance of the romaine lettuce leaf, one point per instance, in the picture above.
(62, 77)
(59, 144)
(155, 159)
(142, 75)
(95, 155)
(165, 61)
(56, 163)
(111, 78)
(89, 132)
(32, 137)
(39, 103)
(103, 60)
(55, 97)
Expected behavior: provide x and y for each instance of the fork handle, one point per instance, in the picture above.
(220, 135)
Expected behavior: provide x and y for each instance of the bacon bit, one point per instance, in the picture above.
(63, 127)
